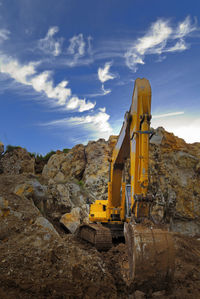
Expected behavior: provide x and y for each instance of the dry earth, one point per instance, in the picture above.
(36, 261)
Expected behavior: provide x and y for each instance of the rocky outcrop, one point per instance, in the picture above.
(175, 182)
(96, 171)
(62, 167)
(174, 174)
(17, 161)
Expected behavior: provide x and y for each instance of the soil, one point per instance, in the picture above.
(37, 264)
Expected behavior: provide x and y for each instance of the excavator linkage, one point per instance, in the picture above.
(150, 255)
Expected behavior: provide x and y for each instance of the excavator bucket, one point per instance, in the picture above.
(151, 256)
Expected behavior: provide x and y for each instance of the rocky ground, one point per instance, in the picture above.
(41, 259)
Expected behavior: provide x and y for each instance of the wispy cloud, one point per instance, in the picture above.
(105, 91)
(158, 40)
(50, 45)
(75, 103)
(4, 34)
(168, 114)
(60, 95)
(104, 73)
(78, 48)
(96, 125)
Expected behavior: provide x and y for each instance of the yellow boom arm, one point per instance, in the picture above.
(133, 143)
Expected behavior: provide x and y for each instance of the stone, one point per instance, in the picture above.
(17, 161)
(198, 167)
(4, 208)
(32, 189)
(71, 164)
(157, 136)
(44, 224)
(71, 221)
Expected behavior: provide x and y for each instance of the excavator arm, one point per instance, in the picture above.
(133, 143)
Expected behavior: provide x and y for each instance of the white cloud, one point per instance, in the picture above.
(76, 103)
(77, 45)
(49, 44)
(105, 91)
(4, 34)
(179, 46)
(42, 83)
(77, 48)
(167, 114)
(16, 71)
(184, 28)
(96, 125)
(157, 39)
(183, 126)
(104, 74)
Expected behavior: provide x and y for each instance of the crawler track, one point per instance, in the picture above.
(96, 234)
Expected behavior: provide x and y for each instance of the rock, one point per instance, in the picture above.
(198, 167)
(139, 295)
(173, 175)
(174, 183)
(157, 136)
(1, 148)
(17, 161)
(32, 189)
(45, 225)
(96, 173)
(4, 208)
(71, 221)
(69, 165)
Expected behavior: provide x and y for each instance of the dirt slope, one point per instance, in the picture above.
(38, 262)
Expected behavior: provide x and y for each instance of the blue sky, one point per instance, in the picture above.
(67, 68)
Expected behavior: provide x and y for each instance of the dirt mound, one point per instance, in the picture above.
(36, 262)
(187, 271)
(39, 261)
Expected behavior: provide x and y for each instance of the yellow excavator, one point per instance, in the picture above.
(127, 211)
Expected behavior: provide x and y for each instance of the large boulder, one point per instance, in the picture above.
(96, 174)
(17, 161)
(64, 166)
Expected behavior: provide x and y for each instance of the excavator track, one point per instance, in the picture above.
(151, 256)
(97, 235)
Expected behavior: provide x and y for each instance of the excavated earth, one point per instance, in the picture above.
(36, 261)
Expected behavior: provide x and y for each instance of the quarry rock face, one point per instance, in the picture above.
(175, 183)
(17, 161)
(174, 175)
(63, 166)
